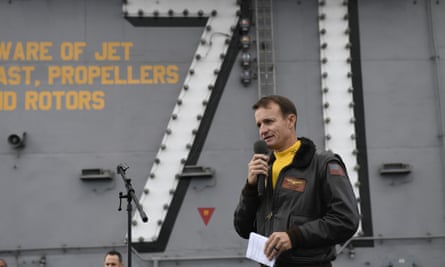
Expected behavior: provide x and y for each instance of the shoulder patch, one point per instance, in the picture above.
(336, 169)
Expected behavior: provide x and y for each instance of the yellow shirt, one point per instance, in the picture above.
(282, 159)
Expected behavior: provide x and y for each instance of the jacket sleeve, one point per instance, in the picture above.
(340, 218)
(245, 212)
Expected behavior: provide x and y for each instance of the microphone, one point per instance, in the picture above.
(260, 147)
(122, 168)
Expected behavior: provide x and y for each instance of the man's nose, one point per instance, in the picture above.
(263, 130)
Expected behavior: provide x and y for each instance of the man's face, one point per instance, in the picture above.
(112, 261)
(276, 130)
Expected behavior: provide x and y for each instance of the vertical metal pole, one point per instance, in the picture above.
(129, 211)
(439, 96)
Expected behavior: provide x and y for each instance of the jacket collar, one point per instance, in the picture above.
(303, 156)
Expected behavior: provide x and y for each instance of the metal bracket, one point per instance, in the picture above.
(96, 175)
(395, 168)
(192, 171)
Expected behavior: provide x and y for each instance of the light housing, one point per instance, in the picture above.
(17, 141)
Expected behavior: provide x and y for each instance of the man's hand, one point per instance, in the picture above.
(257, 165)
(276, 244)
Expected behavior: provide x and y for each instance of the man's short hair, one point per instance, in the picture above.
(115, 253)
(287, 107)
(3, 263)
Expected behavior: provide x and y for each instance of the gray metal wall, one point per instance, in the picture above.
(44, 204)
(403, 102)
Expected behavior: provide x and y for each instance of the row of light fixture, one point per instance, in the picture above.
(170, 160)
(246, 57)
(336, 84)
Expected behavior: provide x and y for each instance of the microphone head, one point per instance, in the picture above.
(121, 168)
(260, 147)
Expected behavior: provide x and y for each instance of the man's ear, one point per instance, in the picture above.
(292, 120)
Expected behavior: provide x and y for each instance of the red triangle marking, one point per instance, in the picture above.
(206, 214)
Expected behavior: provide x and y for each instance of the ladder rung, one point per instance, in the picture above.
(265, 59)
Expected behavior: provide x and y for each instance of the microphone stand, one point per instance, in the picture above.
(130, 196)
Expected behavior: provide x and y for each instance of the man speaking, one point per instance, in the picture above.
(308, 204)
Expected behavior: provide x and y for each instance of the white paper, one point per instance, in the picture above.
(255, 249)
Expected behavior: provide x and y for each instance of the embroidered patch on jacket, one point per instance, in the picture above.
(335, 169)
(295, 184)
